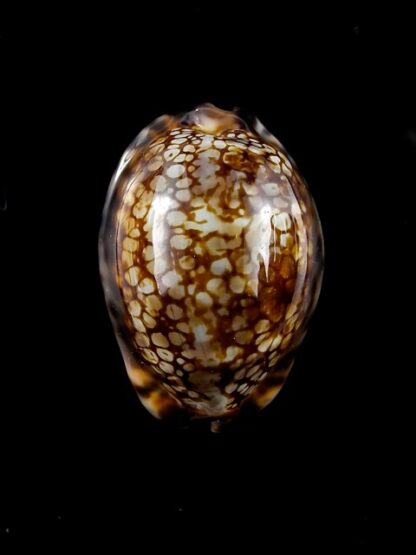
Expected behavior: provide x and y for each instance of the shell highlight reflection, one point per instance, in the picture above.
(211, 260)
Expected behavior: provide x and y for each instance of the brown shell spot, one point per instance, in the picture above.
(287, 267)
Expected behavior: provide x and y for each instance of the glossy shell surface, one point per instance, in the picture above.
(211, 262)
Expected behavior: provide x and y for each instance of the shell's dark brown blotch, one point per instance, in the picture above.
(211, 261)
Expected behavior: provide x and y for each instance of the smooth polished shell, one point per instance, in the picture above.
(211, 262)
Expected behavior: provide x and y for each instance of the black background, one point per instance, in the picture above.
(81, 456)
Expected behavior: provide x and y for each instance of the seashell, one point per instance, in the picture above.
(211, 259)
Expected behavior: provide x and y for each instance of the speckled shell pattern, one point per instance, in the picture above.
(211, 258)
